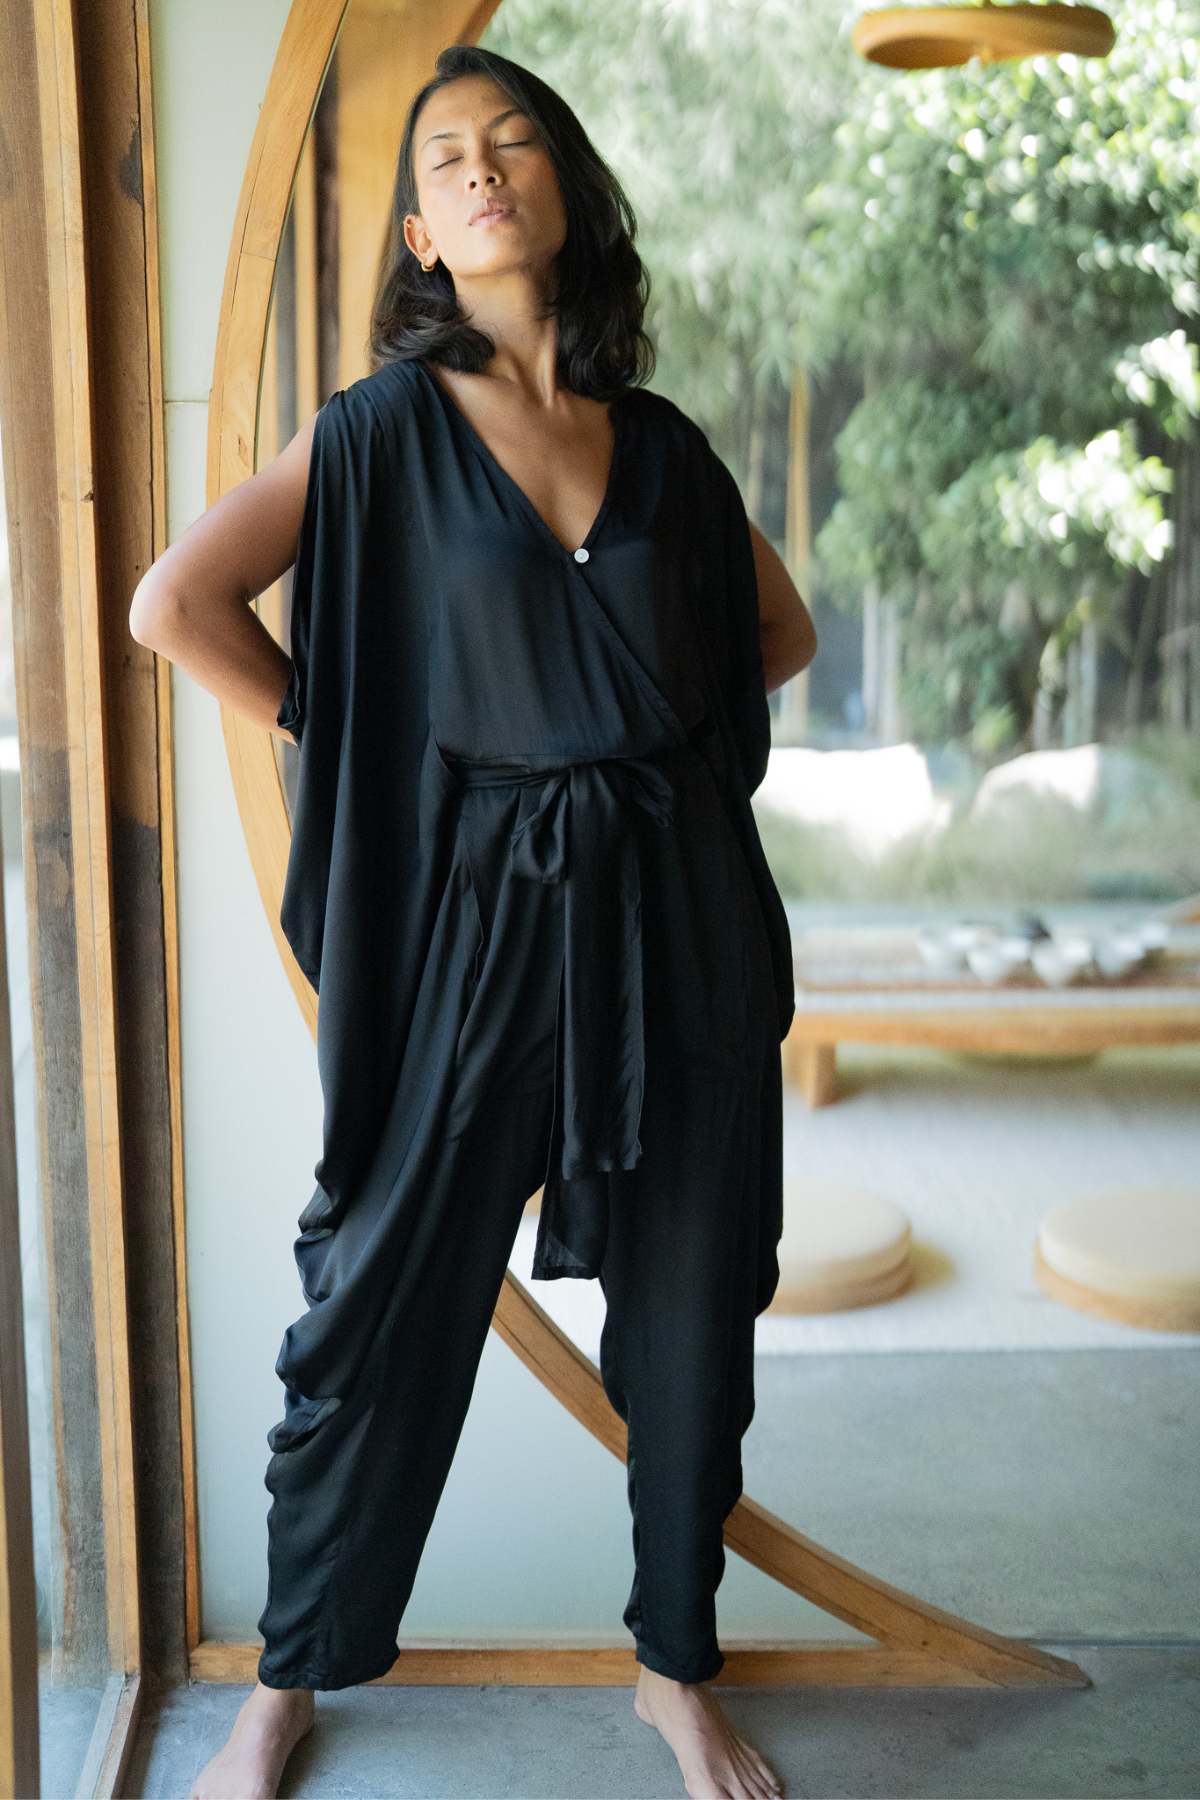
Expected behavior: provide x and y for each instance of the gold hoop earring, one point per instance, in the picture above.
(430, 267)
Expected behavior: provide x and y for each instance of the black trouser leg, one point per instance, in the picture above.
(677, 1358)
(354, 1501)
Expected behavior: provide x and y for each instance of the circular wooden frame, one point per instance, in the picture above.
(917, 1644)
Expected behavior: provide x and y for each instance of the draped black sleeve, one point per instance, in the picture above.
(368, 849)
(730, 644)
(292, 708)
(321, 583)
(746, 692)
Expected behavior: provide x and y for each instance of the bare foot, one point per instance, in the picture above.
(267, 1729)
(714, 1759)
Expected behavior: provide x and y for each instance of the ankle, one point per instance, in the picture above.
(283, 1702)
(666, 1684)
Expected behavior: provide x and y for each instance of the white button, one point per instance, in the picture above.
(581, 555)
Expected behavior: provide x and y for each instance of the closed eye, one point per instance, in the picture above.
(516, 144)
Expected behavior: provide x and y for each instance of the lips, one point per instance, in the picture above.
(492, 212)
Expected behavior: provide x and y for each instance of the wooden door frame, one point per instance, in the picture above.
(81, 418)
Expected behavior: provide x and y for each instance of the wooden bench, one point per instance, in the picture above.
(865, 986)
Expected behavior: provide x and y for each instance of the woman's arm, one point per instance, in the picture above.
(192, 604)
(786, 630)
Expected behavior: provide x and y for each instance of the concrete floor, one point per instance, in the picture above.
(1135, 1732)
(1050, 1496)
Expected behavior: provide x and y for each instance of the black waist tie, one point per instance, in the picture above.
(581, 833)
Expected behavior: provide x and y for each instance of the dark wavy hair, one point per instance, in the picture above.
(601, 285)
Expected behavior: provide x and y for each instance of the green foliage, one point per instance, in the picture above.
(1015, 215)
(1062, 528)
(1014, 258)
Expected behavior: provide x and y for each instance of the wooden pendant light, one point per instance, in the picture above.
(932, 37)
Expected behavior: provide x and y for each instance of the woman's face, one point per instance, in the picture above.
(473, 145)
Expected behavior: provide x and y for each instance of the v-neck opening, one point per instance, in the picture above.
(616, 413)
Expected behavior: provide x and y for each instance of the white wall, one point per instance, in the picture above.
(545, 1550)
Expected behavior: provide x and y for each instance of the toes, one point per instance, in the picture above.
(762, 1783)
(704, 1783)
(743, 1780)
(766, 1774)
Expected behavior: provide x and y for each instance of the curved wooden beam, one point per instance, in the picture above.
(921, 1644)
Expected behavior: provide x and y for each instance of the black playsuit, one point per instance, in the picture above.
(526, 881)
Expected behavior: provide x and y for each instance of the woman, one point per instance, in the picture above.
(532, 636)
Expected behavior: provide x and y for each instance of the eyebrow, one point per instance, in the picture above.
(508, 113)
